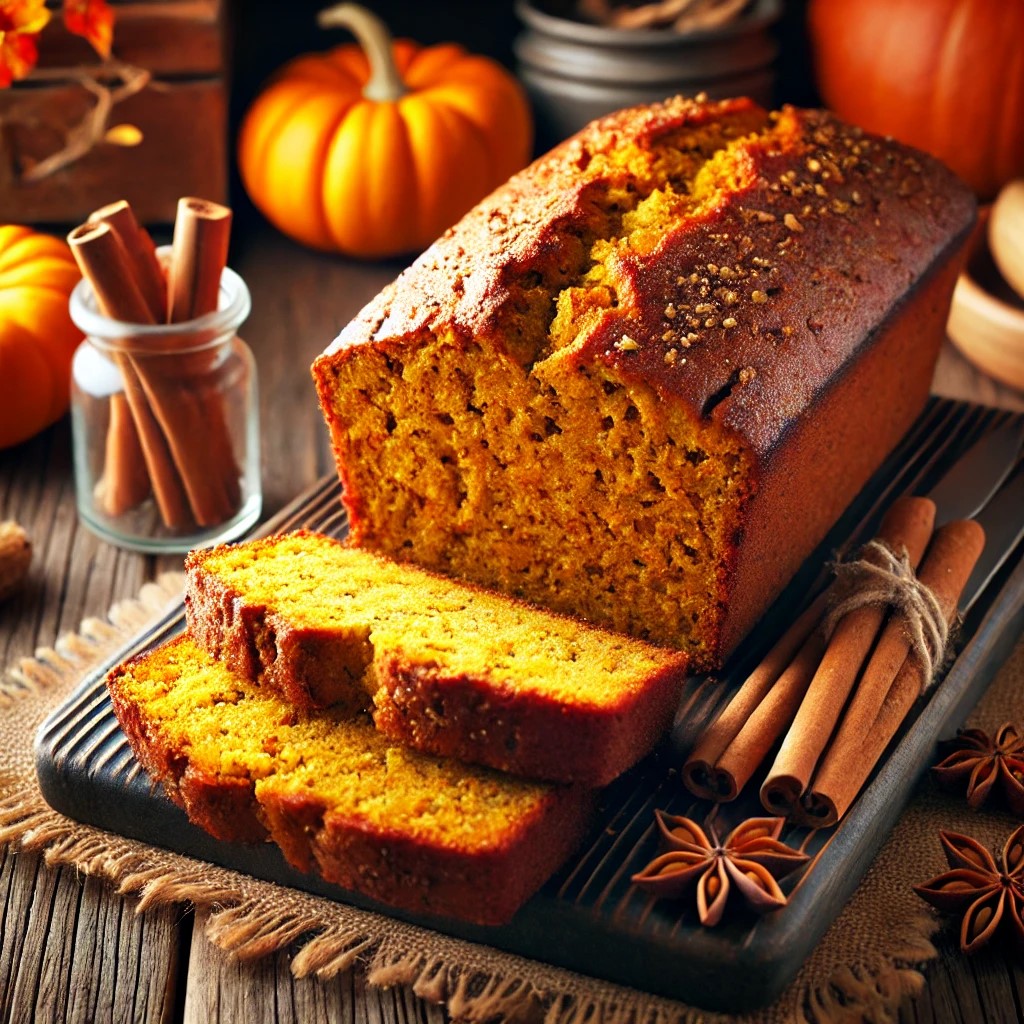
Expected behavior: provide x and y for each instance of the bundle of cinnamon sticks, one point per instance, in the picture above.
(836, 703)
(168, 432)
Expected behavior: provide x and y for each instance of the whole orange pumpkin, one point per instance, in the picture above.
(374, 149)
(946, 76)
(37, 337)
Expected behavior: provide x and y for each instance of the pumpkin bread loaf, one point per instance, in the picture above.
(412, 831)
(640, 381)
(450, 668)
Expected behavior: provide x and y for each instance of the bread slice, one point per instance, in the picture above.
(449, 668)
(415, 832)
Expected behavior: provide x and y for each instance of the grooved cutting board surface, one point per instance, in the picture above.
(589, 917)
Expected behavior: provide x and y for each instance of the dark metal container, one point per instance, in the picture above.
(575, 71)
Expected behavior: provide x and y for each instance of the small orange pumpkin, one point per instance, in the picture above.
(374, 149)
(37, 337)
(946, 76)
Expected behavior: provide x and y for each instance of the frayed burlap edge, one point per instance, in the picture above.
(250, 918)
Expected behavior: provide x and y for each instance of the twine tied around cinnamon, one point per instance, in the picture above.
(835, 688)
(883, 577)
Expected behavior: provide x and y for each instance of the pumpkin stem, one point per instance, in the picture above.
(385, 84)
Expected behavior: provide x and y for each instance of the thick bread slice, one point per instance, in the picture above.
(415, 832)
(450, 668)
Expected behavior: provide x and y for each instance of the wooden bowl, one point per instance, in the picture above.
(1006, 234)
(986, 321)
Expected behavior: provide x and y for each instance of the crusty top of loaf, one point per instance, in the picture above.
(747, 307)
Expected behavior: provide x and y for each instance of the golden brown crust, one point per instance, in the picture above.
(831, 454)
(463, 279)
(466, 719)
(397, 869)
(834, 223)
(832, 229)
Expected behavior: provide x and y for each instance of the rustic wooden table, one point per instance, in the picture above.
(70, 948)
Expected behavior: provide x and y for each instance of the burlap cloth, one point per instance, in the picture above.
(869, 961)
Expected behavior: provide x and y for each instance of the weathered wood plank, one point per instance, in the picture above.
(1016, 972)
(952, 990)
(993, 980)
(73, 574)
(222, 990)
(73, 952)
(130, 961)
(15, 903)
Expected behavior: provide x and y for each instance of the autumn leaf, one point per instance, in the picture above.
(92, 19)
(123, 135)
(21, 21)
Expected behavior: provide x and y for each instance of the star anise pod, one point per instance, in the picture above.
(750, 861)
(985, 763)
(989, 895)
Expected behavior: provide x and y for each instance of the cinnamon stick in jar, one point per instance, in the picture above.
(890, 685)
(104, 262)
(124, 484)
(173, 384)
(199, 253)
(907, 525)
(141, 252)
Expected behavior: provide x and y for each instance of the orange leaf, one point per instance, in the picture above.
(26, 17)
(123, 135)
(21, 21)
(92, 19)
(18, 56)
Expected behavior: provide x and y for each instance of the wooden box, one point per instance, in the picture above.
(166, 77)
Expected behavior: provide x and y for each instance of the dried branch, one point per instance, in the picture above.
(111, 83)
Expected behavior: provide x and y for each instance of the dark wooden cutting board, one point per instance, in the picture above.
(589, 917)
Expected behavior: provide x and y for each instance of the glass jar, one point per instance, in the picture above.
(165, 426)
